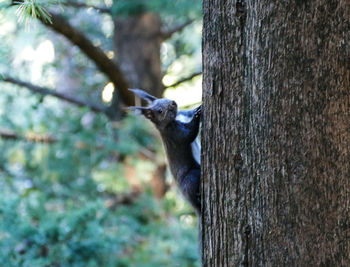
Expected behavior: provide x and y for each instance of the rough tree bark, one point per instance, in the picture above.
(276, 133)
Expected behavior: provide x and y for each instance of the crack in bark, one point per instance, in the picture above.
(246, 248)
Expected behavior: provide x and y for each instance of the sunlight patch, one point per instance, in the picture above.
(107, 92)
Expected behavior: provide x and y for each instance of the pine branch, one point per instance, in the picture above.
(166, 35)
(184, 79)
(46, 91)
(102, 9)
(107, 66)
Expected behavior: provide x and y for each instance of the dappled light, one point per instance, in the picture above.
(107, 92)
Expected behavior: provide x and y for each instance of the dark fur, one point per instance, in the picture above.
(177, 137)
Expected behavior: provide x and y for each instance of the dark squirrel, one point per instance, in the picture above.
(178, 130)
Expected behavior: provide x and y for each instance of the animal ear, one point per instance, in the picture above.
(144, 110)
(149, 98)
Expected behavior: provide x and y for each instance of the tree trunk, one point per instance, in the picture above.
(137, 44)
(276, 133)
(137, 41)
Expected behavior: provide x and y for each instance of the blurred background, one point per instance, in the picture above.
(82, 183)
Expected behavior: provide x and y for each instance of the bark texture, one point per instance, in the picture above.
(276, 133)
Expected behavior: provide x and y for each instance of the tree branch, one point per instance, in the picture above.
(36, 138)
(46, 91)
(184, 79)
(107, 66)
(102, 9)
(48, 139)
(166, 35)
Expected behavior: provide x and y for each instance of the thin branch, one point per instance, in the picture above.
(46, 91)
(106, 65)
(184, 79)
(166, 35)
(123, 199)
(31, 137)
(49, 139)
(102, 9)
(188, 106)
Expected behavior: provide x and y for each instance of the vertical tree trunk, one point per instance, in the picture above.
(137, 44)
(137, 41)
(276, 133)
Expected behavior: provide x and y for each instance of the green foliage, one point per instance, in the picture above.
(87, 234)
(53, 205)
(32, 9)
(170, 8)
(55, 201)
(128, 8)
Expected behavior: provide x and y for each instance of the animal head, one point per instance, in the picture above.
(161, 111)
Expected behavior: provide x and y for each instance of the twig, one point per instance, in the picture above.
(10, 135)
(169, 33)
(45, 91)
(184, 79)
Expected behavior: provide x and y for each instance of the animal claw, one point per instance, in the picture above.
(198, 111)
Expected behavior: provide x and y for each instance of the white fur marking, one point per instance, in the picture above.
(196, 151)
(195, 145)
(183, 118)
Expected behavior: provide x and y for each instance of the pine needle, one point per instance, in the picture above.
(32, 9)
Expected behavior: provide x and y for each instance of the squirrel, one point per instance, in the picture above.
(179, 130)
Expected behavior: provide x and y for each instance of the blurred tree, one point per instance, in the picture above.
(138, 34)
(75, 181)
(277, 140)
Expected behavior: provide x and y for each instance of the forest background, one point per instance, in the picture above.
(82, 182)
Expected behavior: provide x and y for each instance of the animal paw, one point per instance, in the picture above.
(198, 112)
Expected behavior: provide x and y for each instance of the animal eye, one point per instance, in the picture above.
(160, 110)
